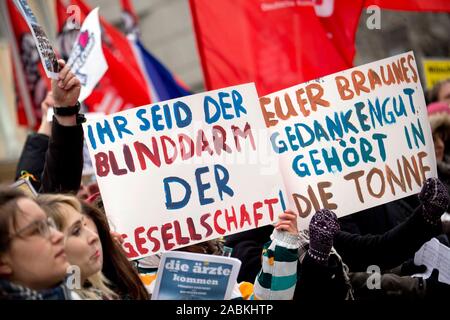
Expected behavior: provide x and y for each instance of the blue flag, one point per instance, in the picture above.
(163, 85)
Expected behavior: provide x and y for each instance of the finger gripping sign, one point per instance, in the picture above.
(186, 170)
(45, 49)
(354, 139)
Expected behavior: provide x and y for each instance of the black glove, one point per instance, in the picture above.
(435, 199)
(409, 268)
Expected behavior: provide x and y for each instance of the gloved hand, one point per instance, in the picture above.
(322, 228)
(409, 268)
(434, 199)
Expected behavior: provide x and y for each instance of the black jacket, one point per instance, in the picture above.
(387, 250)
(379, 219)
(357, 251)
(32, 158)
(247, 247)
(58, 163)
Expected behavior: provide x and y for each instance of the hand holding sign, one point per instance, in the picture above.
(66, 90)
(287, 222)
(435, 199)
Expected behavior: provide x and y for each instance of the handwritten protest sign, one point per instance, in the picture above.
(191, 276)
(45, 49)
(435, 70)
(354, 139)
(186, 170)
(87, 60)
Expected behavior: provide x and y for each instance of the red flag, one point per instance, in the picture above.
(412, 5)
(274, 44)
(122, 87)
(30, 80)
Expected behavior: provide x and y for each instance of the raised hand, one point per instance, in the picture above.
(287, 222)
(322, 228)
(435, 199)
(66, 90)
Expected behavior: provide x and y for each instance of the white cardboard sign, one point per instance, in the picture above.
(354, 139)
(186, 170)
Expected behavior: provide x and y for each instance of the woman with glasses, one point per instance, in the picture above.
(91, 248)
(33, 262)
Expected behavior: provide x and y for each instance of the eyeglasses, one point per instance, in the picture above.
(39, 227)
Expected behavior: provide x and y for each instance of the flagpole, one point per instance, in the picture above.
(19, 68)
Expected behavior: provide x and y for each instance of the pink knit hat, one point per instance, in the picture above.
(439, 115)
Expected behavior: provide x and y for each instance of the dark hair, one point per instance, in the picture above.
(8, 212)
(433, 94)
(116, 266)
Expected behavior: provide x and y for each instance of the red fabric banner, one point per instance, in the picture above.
(30, 80)
(412, 5)
(275, 44)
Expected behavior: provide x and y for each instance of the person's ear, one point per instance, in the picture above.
(5, 266)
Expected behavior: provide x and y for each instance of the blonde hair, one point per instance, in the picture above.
(55, 207)
(98, 290)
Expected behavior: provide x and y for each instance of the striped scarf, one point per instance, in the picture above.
(12, 291)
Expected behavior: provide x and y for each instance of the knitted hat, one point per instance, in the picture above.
(439, 115)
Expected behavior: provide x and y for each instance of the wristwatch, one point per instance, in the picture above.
(70, 111)
(67, 111)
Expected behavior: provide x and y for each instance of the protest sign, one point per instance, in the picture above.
(86, 60)
(88, 168)
(186, 170)
(435, 70)
(435, 256)
(354, 139)
(45, 49)
(192, 276)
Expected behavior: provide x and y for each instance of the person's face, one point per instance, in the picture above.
(35, 260)
(439, 144)
(82, 244)
(444, 93)
(86, 191)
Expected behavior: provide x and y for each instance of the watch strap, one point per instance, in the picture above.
(67, 111)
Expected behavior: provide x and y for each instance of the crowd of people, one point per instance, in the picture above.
(64, 231)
